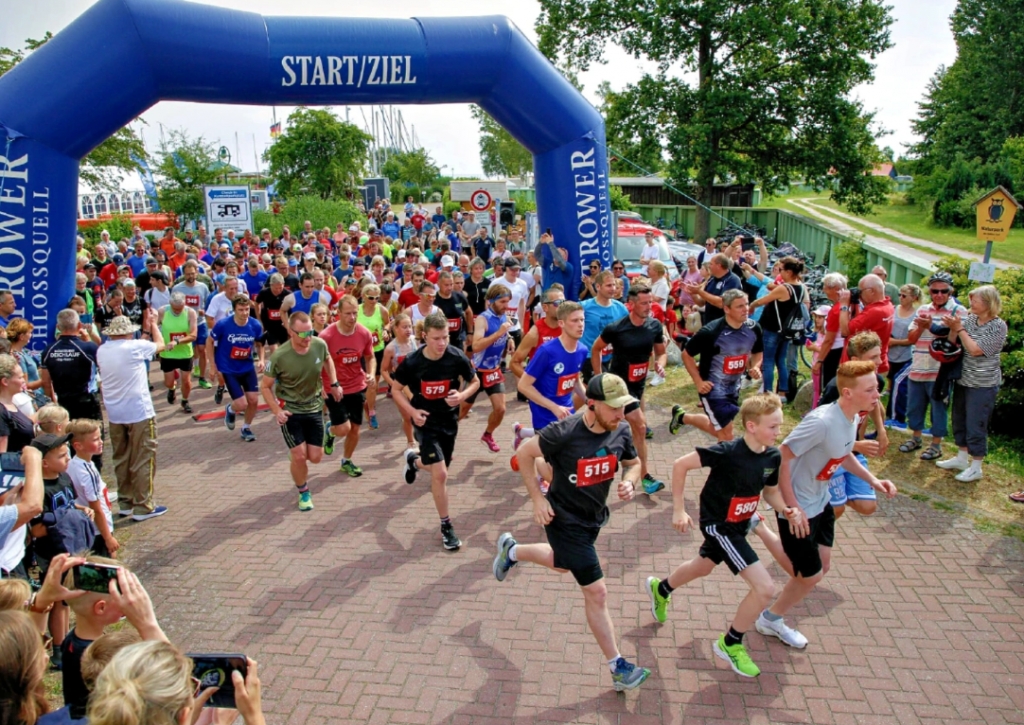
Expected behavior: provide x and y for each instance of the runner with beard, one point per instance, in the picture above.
(490, 342)
(196, 293)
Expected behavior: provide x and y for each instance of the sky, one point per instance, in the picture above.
(921, 36)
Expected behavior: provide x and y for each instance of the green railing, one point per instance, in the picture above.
(813, 239)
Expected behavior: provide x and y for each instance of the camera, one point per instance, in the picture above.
(214, 670)
(855, 296)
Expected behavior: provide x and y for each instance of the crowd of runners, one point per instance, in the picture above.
(443, 321)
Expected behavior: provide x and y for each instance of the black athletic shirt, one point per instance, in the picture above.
(738, 475)
(270, 309)
(454, 309)
(430, 382)
(584, 465)
(632, 346)
(724, 353)
(76, 694)
(71, 362)
(477, 294)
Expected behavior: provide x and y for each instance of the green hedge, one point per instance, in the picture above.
(295, 212)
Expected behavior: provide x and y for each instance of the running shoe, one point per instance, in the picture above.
(170, 396)
(410, 465)
(628, 676)
(659, 604)
(969, 474)
(218, 397)
(649, 434)
(373, 421)
(305, 501)
(204, 384)
(248, 436)
(677, 419)
(517, 438)
(158, 511)
(195, 370)
(895, 425)
(737, 657)
(186, 407)
(328, 442)
(956, 463)
(229, 417)
(778, 628)
(754, 521)
(650, 484)
(502, 564)
(448, 537)
(351, 468)
(489, 441)
(514, 462)
(125, 512)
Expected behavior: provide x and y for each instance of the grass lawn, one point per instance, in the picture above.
(914, 220)
(984, 501)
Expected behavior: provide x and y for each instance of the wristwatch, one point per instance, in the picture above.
(30, 605)
(335, 384)
(844, 308)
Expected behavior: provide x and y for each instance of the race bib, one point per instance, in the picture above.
(454, 325)
(513, 319)
(192, 300)
(591, 471)
(398, 361)
(490, 378)
(349, 359)
(637, 371)
(374, 339)
(177, 336)
(566, 384)
(741, 509)
(435, 390)
(734, 364)
(830, 468)
(241, 353)
(274, 314)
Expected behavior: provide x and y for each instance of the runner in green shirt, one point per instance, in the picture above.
(294, 375)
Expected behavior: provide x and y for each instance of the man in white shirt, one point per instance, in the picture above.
(649, 253)
(520, 294)
(222, 305)
(123, 367)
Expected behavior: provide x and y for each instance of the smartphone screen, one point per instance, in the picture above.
(214, 670)
(94, 577)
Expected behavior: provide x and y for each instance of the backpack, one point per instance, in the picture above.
(794, 327)
(68, 531)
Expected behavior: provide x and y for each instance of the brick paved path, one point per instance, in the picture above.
(356, 613)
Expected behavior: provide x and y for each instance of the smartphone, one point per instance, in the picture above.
(94, 577)
(549, 231)
(11, 463)
(747, 242)
(214, 670)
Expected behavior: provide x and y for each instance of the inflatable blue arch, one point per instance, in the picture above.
(122, 56)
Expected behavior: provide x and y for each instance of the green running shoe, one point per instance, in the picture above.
(677, 419)
(204, 384)
(659, 604)
(650, 484)
(351, 469)
(628, 676)
(305, 501)
(649, 433)
(328, 443)
(737, 658)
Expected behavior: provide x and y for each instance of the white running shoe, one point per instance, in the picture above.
(971, 473)
(956, 463)
(779, 629)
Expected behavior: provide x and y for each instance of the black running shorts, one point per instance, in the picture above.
(305, 428)
(804, 552)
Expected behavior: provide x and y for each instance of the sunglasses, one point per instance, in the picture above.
(554, 303)
(368, 297)
(940, 291)
(303, 335)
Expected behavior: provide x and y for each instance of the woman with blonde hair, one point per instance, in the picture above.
(16, 428)
(23, 662)
(19, 334)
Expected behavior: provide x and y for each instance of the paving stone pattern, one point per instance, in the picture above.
(356, 613)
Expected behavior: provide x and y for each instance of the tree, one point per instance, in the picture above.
(500, 154)
(318, 154)
(105, 163)
(770, 99)
(411, 168)
(185, 166)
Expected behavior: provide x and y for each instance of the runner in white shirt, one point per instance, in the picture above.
(517, 305)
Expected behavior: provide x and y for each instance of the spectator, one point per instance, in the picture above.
(21, 500)
(891, 290)
(924, 368)
(19, 334)
(16, 428)
(90, 488)
(709, 251)
(778, 307)
(22, 666)
(832, 284)
(123, 364)
(721, 280)
(659, 283)
(874, 313)
(982, 333)
(900, 352)
(68, 367)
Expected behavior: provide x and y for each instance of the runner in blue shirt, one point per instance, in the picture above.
(600, 312)
(230, 350)
(554, 372)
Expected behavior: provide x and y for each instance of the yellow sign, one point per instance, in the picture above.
(995, 212)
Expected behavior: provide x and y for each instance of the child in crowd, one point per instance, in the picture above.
(814, 345)
(52, 418)
(90, 488)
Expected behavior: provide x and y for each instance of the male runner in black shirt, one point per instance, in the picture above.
(434, 375)
(455, 306)
(580, 456)
(633, 338)
(741, 470)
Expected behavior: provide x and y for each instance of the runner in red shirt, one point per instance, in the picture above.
(351, 348)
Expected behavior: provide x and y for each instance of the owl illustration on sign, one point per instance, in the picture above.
(995, 210)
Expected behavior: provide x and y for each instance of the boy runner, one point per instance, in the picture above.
(740, 471)
(434, 375)
(229, 349)
(294, 375)
(580, 456)
(491, 331)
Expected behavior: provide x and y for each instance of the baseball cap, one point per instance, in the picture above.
(309, 255)
(609, 389)
(823, 310)
(150, 260)
(128, 283)
(360, 262)
(447, 261)
(293, 262)
(401, 254)
(512, 263)
(47, 442)
(263, 245)
(319, 248)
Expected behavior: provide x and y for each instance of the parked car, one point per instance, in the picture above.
(631, 239)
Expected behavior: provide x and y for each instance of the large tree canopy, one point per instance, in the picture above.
(746, 91)
(318, 154)
(500, 154)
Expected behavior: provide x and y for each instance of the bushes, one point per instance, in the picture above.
(852, 259)
(1010, 283)
(120, 227)
(295, 212)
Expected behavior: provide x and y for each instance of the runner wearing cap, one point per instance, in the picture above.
(520, 292)
(178, 326)
(580, 455)
(490, 343)
(438, 378)
(633, 339)
(375, 318)
(230, 350)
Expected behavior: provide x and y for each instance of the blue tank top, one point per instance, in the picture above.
(304, 305)
(555, 371)
(490, 357)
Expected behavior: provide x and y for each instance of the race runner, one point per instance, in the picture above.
(178, 326)
(269, 302)
(376, 320)
(546, 328)
(401, 346)
(490, 341)
(196, 293)
(230, 348)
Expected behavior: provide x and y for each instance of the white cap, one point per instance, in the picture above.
(401, 254)
(447, 261)
(310, 255)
